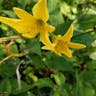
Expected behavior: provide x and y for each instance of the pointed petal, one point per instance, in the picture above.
(49, 28)
(58, 53)
(57, 38)
(48, 48)
(29, 35)
(23, 14)
(67, 52)
(67, 36)
(76, 45)
(44, 37)
(40, 10)
(26, 29)
(11, 22)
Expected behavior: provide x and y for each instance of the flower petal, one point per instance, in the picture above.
(29, 35)
(49, 28)
(40, 10)
(67, 52)
(48, 48)
(57, 38)
(26, 29)
(11, 22)
(23, 14)
(44, 37)
(76, 45)
(67, 36)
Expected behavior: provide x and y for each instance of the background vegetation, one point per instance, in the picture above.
(42, 72)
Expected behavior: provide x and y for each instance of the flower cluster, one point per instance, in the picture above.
(29, 26)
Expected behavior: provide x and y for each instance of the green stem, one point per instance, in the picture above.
(83, 33)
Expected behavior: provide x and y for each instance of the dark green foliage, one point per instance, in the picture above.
(43, 73)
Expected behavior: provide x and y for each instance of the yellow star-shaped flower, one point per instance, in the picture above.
(29, 26)
(61, 44)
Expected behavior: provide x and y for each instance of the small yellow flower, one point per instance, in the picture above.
(61, 44)
(29, 26)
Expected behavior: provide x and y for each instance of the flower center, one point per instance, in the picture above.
(61, 45)
(40, 24)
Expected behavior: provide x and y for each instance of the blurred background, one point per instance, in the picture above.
(43, 73)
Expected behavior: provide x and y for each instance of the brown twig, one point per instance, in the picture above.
(4, 39)
(14, 55)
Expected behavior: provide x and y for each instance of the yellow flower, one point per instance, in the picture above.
(61, 44)
(29, 26)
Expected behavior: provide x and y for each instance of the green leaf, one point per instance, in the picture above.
(5, 87)
(9, 13)
(88, 90)
(55, 94)
(10, 86)
(59, 63)
(87, 22)
(59, 78)
(84, 90)
(55, 13)
(89, 76)
(83, 38)
(37, 61)
(2, 51)
(34, 46)
(45, 82)
(62, 28)
(53, 7)
(24, 87)
(91, 64)
(54, 19)
(7, 70)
